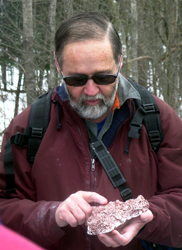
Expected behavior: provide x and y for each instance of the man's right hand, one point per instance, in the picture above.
(76, 209)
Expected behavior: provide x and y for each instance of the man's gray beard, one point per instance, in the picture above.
(96, 111)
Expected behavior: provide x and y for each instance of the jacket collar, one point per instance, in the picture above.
(61, 91)
(126, 90)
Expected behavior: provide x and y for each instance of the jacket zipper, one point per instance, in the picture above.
(92, 189)
(92, 184)
(92, 165)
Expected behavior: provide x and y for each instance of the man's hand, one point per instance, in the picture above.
(126, 232)
(76, 209)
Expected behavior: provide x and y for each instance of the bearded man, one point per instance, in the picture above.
(54, 197)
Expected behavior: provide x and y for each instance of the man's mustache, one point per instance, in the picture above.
(92, 98)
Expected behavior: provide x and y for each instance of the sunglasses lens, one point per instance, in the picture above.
(75, 81)
(104, 79)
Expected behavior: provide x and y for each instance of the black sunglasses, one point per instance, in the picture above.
(77, 81)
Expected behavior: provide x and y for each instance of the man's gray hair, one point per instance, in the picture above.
(84, 26)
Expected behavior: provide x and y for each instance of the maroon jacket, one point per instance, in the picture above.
(63, 166)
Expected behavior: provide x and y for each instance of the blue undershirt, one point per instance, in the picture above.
(99, 126)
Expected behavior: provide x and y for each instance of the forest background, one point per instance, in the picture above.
(150, 32)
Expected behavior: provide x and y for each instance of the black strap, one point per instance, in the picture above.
(38, 123)
(8, 167)
(147, 113)
(110, 166)
(31, 138)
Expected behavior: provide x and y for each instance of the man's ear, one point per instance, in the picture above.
(121, 60)
(57, 65)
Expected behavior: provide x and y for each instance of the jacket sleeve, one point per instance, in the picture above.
(166, 204)
(21, 211)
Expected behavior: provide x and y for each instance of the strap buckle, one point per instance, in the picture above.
(155, 139)
(97, 146)
(149, 108)
(126, 194)
(20, 139)
(154, 136)
(37, 132)
(134, 130)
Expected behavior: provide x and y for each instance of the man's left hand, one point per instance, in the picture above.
(126, 232)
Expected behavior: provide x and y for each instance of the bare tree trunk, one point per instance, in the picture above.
(18, 92)
(142, 65)
(28, 55)
(3, 70)
(134, 38)
(68, 6)
(52, 23)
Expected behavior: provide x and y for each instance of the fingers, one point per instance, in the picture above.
(126, 232)
(72, 213)
(93, 197)
(76, 208)
(116, 239)
(78, 204)
(112, 239)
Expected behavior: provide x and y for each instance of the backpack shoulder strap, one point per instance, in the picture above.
(147, 113)
(38, 123)
(30, 139)
(112, 170)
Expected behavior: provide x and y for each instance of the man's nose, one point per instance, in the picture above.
(91, 88)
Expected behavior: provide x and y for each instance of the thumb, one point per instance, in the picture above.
(147, 216)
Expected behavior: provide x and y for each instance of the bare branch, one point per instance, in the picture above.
(15, 60)
(139, 59)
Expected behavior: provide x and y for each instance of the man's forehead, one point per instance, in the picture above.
(88, 50)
